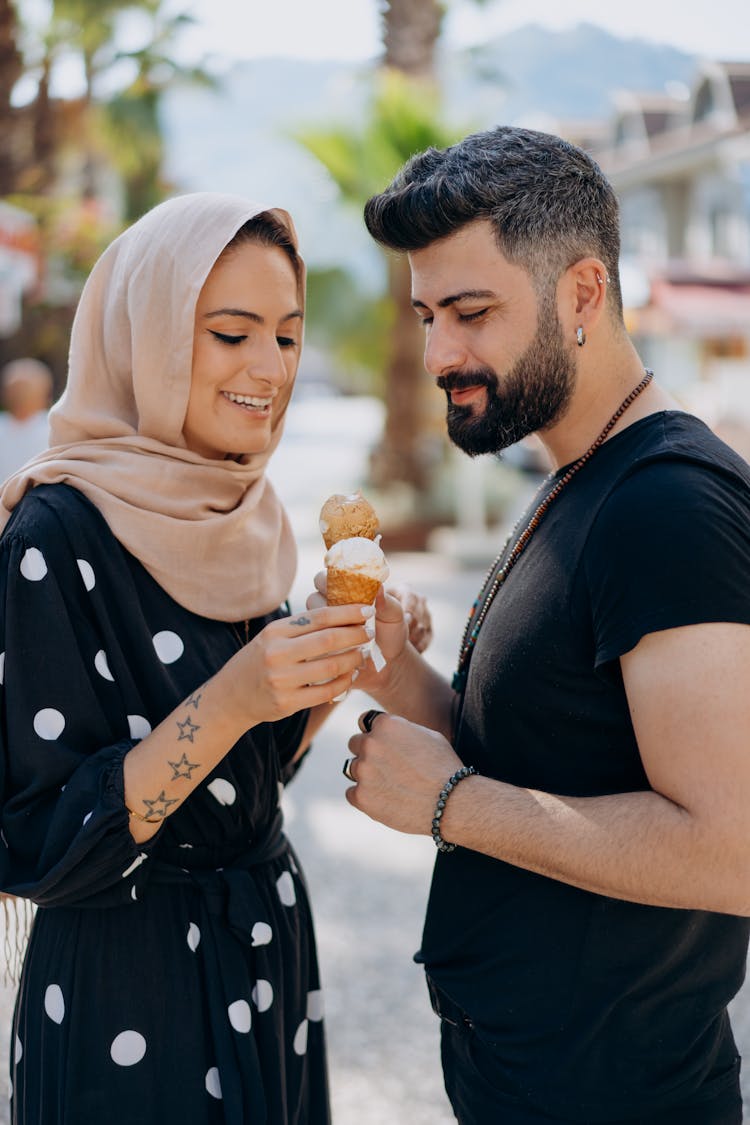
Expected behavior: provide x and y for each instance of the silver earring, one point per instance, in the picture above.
(580, 336)
(599, 280)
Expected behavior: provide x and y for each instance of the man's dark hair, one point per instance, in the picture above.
(549, 202)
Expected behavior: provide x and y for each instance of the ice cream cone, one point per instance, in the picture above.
(348, 587)
(345, 516)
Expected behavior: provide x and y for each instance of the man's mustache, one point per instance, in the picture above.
(460, 380)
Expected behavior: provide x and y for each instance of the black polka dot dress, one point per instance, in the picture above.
(174, 981)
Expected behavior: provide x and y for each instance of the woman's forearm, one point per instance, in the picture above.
(166, 766)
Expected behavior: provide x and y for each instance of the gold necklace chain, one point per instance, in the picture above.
(490, 586)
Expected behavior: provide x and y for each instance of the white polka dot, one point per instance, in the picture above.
(261, 933)
(102, 665)
(2, 667)
(263, 995)
(88, 817)
(213, 1083)
(169, 646)
(285, 887)
(139, 727)
(136, 863)
(240, 1016)
(49, 723)
(128, 1048)
(54, 1003)
(300, 1039)
(18, 1053)
(224, 792)
(134, 893)
(33, 565)
(193, 936)
(315, 1005)
(293, 865)
(87, 573)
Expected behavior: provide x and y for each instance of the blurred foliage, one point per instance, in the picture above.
(403, 118)
(87, 165)
(352, 326)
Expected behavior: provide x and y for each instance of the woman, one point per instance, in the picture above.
(155, 696)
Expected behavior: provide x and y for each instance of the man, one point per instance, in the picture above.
(585, 935)
(25, 394)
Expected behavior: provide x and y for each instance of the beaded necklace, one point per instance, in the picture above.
(490, 586)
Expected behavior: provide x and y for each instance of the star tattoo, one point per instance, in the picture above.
(187, 729)
(163, 801)
(194, 700)
(183, 768)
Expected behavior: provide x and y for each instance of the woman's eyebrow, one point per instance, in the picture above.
(255, 317)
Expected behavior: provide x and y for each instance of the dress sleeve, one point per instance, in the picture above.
(670, 547)
(63, 737)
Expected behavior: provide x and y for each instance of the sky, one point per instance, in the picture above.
(349, 29)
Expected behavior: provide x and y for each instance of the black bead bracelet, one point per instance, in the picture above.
(445, 792)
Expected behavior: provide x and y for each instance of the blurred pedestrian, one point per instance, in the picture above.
(157, 694)
(25, 396)
(586, 776)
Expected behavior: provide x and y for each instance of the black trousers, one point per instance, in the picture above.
(477, 1084)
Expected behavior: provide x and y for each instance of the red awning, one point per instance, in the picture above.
(694, 310)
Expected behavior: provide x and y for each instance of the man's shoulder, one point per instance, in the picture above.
(678, 456)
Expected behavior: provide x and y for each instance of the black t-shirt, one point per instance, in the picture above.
(600, 1009)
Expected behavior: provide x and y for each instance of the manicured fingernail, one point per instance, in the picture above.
(368, 610)
(370, 627)
(355, 673)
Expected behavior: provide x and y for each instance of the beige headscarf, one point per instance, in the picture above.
(212, 533)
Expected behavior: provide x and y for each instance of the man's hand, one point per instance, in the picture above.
(416, 614)
(399, 769)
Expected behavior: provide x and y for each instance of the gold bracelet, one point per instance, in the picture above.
(140, 816)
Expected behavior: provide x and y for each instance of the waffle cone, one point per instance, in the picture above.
(349, 587)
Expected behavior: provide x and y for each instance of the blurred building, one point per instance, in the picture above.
(19, 263)
(680, 163)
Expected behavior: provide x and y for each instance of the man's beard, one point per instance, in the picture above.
(531, 396)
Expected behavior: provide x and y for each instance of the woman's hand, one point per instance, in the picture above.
(296, 662)
(392, 628)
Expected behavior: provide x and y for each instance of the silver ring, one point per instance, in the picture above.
(366, 720)
(347, 770)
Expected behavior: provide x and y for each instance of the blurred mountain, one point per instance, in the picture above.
(240, 138)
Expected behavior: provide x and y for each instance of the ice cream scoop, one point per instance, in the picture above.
(347, 516)
(356, 569)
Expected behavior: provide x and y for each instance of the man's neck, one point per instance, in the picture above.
(601, 387)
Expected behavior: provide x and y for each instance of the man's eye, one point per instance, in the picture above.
(468, 317)
(225, 339)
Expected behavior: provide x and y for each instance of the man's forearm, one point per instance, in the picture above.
(413, 689)
(639, 846)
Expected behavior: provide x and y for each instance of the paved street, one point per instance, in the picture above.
(368, 884)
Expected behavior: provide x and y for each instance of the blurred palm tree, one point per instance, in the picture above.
(405, 118)
(125, 126)
(130, 120)
(11, 68)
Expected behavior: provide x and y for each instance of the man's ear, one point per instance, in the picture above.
(582, 293)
